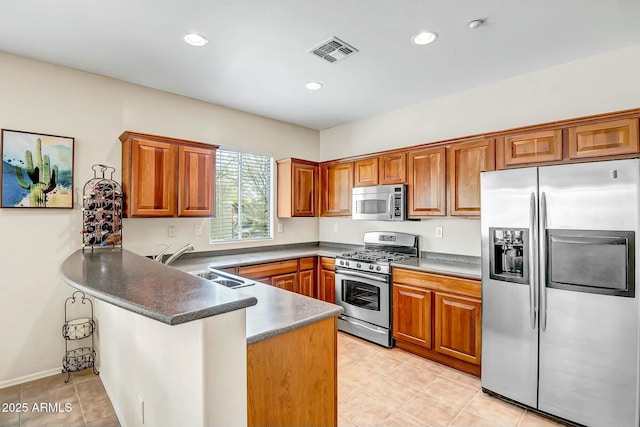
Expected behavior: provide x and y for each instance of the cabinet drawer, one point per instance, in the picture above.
(270, 269)
(328, 263)
(307, 263)
(437, 282)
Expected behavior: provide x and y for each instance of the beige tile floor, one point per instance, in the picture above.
(382, 387)
(88, 402)
(376, 387)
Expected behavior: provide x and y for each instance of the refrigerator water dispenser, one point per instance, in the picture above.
(509, 254)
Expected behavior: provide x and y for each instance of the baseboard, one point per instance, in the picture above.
(30, 377)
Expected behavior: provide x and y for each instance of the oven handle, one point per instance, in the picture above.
(362, 275)
(349, 320)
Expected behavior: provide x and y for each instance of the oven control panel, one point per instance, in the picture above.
(364, 266)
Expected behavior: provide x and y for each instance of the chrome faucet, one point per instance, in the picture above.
(186, 248)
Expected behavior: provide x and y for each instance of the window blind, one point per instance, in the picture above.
(243, 196)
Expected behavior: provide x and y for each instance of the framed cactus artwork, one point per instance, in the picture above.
(37, 170)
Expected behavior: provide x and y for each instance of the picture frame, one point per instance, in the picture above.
(37, 170)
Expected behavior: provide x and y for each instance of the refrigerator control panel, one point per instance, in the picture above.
(509, 254)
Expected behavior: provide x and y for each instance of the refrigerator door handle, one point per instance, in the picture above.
(533, 245)
(543, 262)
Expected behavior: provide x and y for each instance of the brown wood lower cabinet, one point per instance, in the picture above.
(292, 378)
(306, 282)
(295, 275)
(412, 314)
(286, 281)
(327, 280)
(438, 317)
(458, 327)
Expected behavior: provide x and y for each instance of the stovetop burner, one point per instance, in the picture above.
(374, 256)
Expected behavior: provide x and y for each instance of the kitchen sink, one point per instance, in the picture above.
(225, 280)
(205, 274)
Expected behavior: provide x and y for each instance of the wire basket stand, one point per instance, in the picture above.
(81, 358)
(102, 210)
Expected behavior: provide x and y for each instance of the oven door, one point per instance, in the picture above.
(364, 296)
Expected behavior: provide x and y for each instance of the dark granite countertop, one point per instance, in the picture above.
(467, 267)
(279, 311)
(149, 288)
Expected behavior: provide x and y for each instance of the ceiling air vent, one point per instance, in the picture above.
(333, 50)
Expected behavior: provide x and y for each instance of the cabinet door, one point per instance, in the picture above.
(466, 161)
(603, 139)
(412, 314)
(196, 181)
(304, 181)
(327, 286)
(365, 172)
(392, 169)
(458, 327)
(533, 147)
(152, 178)
(286, 281)
(337, 182)
(306, 283)
(426, 189)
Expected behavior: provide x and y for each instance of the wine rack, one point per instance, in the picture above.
(78, 358)
(102, 210)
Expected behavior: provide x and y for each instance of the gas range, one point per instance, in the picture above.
(363, 284)
(381, 248)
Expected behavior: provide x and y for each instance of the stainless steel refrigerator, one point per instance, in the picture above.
(560, 315)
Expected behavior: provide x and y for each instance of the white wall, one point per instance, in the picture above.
(41, 97)
(182, 373)
(598, 84)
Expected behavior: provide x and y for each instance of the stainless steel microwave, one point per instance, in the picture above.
(381, 203)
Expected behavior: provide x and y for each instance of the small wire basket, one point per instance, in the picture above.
(77, 329)
(79, 359)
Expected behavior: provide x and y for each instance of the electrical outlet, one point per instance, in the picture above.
(280, 227)
(439, 232)
(171, 232)
(336, 227)
(198, 230)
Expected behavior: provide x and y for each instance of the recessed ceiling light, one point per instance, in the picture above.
(195, 39)
(476, 23)
(425, 37)
(314, 85)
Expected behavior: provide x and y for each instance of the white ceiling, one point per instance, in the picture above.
(257, 59)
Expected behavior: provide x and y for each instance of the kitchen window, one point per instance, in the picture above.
(243, 197)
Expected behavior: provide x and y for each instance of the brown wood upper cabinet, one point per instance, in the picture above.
(392, 169)
(531, 147)
(427, 183)
(466, 161)
(167, 177)
(365, 172)
(297, 188)
(336, 183)
(603, 139)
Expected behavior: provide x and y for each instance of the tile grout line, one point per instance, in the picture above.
(84, 418)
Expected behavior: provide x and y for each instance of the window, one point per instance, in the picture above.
(243, 197)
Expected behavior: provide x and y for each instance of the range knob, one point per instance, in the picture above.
(341, 262)
(370, 267)
(358, 265)
(346, 263)
(378, 268)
